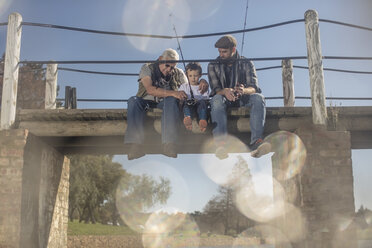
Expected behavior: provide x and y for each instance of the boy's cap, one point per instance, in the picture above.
(226, 41)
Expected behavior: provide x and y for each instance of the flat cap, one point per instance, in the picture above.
(226, 41)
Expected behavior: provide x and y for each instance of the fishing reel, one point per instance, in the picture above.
(237, 94)
(191, 102)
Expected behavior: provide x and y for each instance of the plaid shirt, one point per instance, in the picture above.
(246, 75)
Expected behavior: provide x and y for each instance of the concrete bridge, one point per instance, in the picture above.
(34, 170)
(101, 131)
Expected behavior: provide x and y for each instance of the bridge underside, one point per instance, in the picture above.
(35, 174)
(102, 131)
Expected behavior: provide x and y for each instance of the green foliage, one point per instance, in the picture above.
(143, 190)
(77, 228)
(94, 183)
(364, 234)
(221, 208)
(93, 180)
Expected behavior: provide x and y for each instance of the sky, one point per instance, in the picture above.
(193, 184)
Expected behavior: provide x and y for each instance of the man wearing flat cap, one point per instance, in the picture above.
(234, 83)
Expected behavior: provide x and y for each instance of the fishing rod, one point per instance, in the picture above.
(191, 101)
(245, 24)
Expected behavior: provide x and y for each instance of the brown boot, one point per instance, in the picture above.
(135, 151)
(169, 150)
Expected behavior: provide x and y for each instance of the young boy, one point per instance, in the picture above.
(193, 73)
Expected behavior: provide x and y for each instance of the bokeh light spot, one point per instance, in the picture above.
(256, 200)
(4, 5)
(155, 17)
(184, 233)
(290, 151)
(220, 171)
(261, 236)
(136, 201)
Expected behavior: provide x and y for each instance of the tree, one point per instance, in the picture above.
(94, 182)
(221, 208)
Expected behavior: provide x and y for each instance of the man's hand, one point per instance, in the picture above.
(181, 95)
(203, 86)
(229, 94)
(239, 90)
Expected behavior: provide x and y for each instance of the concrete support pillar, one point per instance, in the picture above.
(34, 183)
(323, 190)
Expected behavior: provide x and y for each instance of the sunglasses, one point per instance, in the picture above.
(169, 66)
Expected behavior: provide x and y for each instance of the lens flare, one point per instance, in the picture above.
(161, 222)
(201, 10)
(136, 201)
(368, 217)
(155, 17)
(291, 223)
(261, 236)
(256, 200)
(221, 171)
(290, 152)
(183, 233)
(4, 5)
(342, 223)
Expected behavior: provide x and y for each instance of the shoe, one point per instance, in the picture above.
(169, 150)
(221, 152)
(187, 122)
(135, 151)
(260, 148)
(203, 125)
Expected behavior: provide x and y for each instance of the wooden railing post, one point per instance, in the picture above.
(51, 86)
(11, 66)
(67, 97)
(288, 83)
(73, 98)
(70, 98)
(314, 55)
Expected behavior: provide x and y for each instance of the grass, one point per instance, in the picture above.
(365, 234)
(76, 228)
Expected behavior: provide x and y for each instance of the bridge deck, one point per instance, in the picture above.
(102, 130)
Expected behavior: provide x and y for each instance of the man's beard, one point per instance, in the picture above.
(227, 61)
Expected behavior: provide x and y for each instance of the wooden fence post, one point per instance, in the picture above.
(67, 97)
(51, 86)
(288, 83)
(70, 98)
(73, 98)
(11, 66)
(314, 55)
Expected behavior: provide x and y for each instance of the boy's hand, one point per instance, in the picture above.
(181, 95)
(203, 86)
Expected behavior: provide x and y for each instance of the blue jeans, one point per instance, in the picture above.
(200, 107)
(170, 119)
(219, 106)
